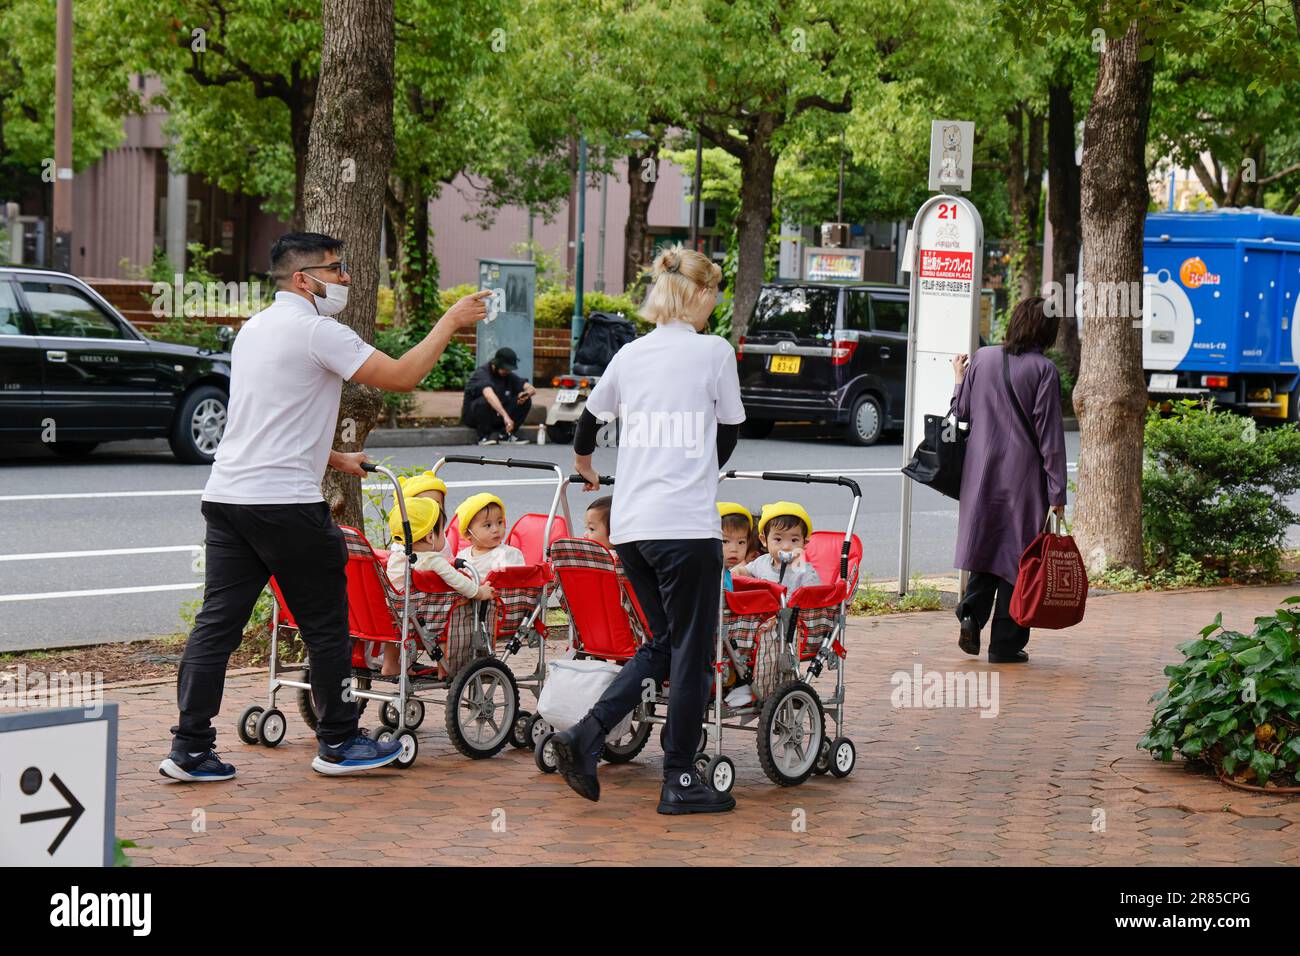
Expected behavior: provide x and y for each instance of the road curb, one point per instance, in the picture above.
(420, 437)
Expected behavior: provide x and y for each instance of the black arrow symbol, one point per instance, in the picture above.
(72, 811)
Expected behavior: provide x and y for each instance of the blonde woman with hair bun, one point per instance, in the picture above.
(676, 395)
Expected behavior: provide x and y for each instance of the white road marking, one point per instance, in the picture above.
(386, 486)
(99, 592)
(57, 555)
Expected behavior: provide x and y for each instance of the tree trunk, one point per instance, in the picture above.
(349, 155)
(1110, 398)
(1063, 211)
(302, 107)
(754, 220)
(1025, 190)
(641, 182)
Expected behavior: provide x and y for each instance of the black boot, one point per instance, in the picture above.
(577, 752)
(686, 792)
(969, 641)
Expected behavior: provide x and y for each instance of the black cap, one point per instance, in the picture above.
(506, 358)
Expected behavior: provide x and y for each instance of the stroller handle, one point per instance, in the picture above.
(578, 479)
(500, 462)
(801, 478)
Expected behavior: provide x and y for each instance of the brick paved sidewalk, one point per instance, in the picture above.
(931, 786)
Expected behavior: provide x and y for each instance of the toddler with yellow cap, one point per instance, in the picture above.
(783, 531)
(427, 485)
(739, 543)
(482, 522)
(427, 542)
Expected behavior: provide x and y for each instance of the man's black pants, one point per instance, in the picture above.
(985, 593)
(245, 545)
(678, 584)
(485, 420)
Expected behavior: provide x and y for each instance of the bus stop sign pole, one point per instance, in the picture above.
(945, 256)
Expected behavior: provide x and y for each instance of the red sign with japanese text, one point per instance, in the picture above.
(945, 264)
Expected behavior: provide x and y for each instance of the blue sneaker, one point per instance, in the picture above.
(206, 767)
(355, 755)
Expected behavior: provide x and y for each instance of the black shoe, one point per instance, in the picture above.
(206, 767)
(686, 792)
(969, 641)
(1019, 657)
(577, 752)
(488, 440)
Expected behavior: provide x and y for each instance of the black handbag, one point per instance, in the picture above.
(938, 460)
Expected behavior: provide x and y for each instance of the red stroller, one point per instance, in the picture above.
(473, 640)
(778, 643)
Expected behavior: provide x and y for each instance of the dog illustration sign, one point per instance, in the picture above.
(952, 153)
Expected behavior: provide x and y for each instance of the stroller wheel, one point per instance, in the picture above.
(406, 739)
(544, 754)
(629, 745)
(247, 726)
(271, 727)
(790, 732)
(537, 729)
(307, 709)
(388, 714)
(519, 732)
(823, 762)
(701, 763)
(414, 712)
(720, 774)
(843, 756)
(481, 708)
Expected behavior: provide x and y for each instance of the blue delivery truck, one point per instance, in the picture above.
(1221, 315)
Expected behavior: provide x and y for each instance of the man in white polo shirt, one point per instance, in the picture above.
(263, 505)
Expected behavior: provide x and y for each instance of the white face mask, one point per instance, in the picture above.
(335, 298)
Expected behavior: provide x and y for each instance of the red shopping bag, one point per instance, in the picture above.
(1052, 585)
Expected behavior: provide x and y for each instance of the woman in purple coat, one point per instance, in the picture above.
(1013, 472)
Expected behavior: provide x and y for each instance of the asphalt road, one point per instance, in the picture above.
(104, 550)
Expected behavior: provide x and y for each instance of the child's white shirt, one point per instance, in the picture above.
(766, 569)
(502, 556)
(434, 561)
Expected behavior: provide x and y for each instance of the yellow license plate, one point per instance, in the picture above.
(787, 364)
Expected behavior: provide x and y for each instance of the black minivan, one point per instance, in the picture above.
(830, 352)
(74, 372)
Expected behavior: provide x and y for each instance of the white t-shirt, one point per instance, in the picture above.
(286, 378)
(670, 390)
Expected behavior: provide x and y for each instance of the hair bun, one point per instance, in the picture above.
(669, 261)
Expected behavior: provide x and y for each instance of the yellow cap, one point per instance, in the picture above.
(472, 505)
(784, 508)
(418, 484)
(421, 512)
(731, 508)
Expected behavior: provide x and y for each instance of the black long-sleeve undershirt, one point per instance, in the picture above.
(584, 437)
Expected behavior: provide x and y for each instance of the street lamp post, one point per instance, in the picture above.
(62, 258)
(581, 233)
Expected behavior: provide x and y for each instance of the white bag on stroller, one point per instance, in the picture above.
(572, 688)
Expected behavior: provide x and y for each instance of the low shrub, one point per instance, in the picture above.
(1233, 704)
(1214, 489)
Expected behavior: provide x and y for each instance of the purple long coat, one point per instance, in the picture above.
(1004, 497)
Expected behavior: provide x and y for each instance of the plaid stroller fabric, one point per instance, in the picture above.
(519, 593)
(582, 553)
(750, 617)
(819, 610)
(445, 615)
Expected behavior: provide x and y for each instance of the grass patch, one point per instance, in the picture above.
(871, 600)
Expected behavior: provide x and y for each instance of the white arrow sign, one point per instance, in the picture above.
(57, 786)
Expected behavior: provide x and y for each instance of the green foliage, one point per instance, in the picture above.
(1066, 377)
(452, 371)
(184, 330)
(871, 600)
(119, 851)
(1214, 487)
(554, 310)
(1234, 702)
(1184, 571)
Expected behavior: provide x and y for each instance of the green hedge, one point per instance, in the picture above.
(1214, 488)
(554, 310)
